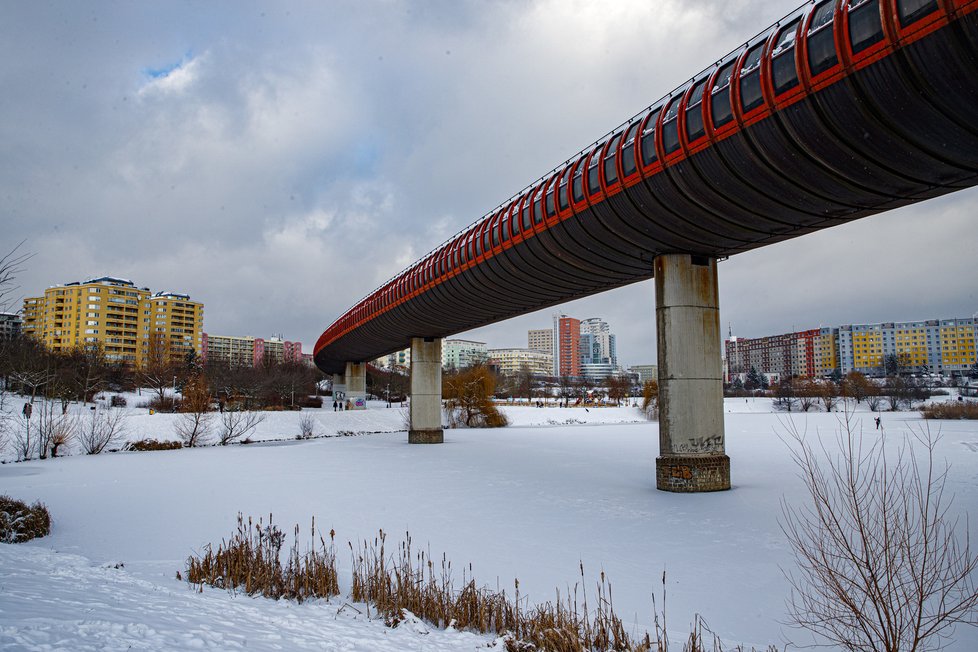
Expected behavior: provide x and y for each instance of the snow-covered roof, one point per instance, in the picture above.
(110, 279)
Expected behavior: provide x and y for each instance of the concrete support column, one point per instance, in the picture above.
(356, 385)
(687, 317)
(425, 408)
(339, 387)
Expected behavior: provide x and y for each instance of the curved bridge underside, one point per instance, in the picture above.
(843, 109)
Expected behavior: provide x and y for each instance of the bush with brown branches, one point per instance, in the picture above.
(468, 399)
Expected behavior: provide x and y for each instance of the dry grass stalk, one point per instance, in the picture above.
(251, 561)
(414, 582)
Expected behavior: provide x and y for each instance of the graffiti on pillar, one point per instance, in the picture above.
(681, 472)
(701, 445)
(359, 403)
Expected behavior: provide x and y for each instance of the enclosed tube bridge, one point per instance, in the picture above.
(842, 109)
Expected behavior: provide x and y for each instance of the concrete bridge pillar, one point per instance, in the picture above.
(687, 317)
(339, 387)
(356, 385)
(425, 407)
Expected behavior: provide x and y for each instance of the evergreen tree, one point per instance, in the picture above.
(754, 379)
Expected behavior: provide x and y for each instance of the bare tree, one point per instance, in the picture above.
(307, 426)
(618, 387)
(31, 380)
(11, 264)
(24, 440)
(6, 417)
(105, 427)
(54, 428)
(157, 370)
(807, 392)
(829, 394)
(856, 385)
(194, 425)
(235, 424)
(873, 402)
(881, 566)
(784, 395)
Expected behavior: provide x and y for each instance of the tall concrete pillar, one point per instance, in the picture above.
(339, 387)
(425, 408)
(687, 318)
(356, 385)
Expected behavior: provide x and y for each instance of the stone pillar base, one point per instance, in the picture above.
(691, 474)
(426, 436)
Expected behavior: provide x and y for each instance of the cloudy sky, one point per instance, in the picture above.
(278, 161)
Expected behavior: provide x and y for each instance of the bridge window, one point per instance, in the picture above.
(593, 182)
(551, 204)
(865, 24)
(913, 10)
(562, 199)
(610, 157)
(504, 228)
(783, 59)
(578, 182)
(751, 96)
(670, 128)
(720, 96)
(649, 155)
(495, 229)
(694, 112)
(821, 40)
(628, 150)
(525, 223)
(514, 218)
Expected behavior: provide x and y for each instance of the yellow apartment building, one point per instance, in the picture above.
(179, 322)
(114, 313)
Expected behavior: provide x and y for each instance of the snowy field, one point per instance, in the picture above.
(559, 487)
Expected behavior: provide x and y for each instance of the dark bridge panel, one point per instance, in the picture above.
(844, 109)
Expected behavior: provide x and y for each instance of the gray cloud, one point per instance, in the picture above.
(302, 153)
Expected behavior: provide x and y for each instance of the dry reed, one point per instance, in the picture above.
(251, 561)
(413, 582)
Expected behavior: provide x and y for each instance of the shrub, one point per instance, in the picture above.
(469, 399)
(153, 445)
(165, 404)
(118, 401)
(311, 402)
(951, 410)
(882, 562)
(19, 523)
(650, 400)
(307, 426)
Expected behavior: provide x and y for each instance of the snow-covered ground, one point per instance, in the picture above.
(559, 487)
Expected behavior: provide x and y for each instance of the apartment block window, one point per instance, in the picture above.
(91, 323)
(91, 331)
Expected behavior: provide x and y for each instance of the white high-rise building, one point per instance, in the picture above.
(458, 354)
(597, 343)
